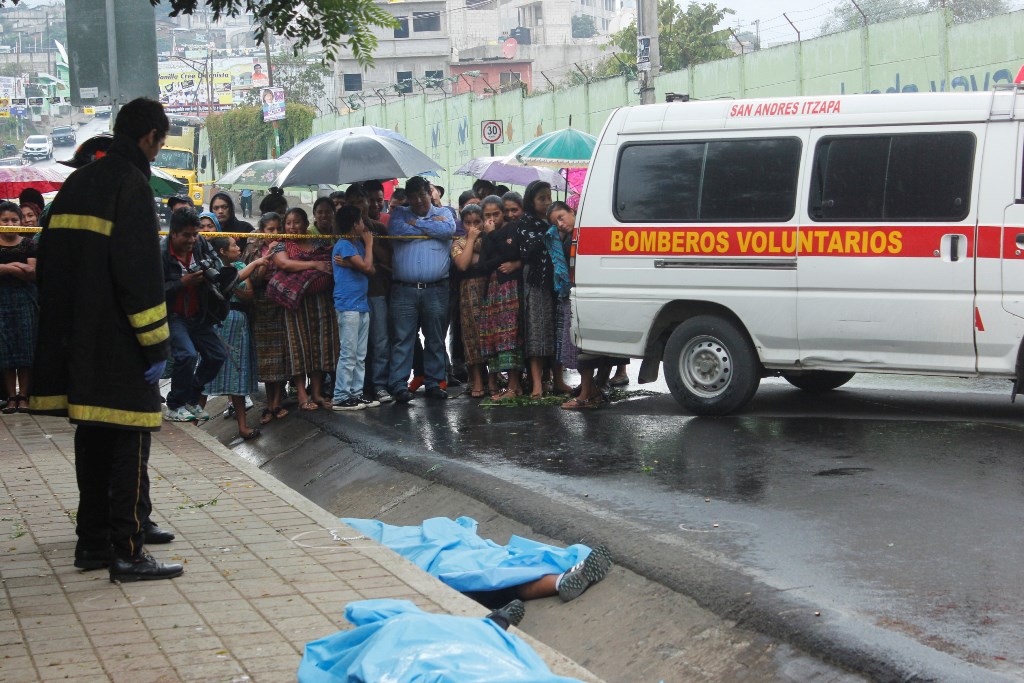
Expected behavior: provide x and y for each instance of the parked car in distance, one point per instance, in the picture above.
(14, 161)
(63, 135)
(103, 112)
(37, 147)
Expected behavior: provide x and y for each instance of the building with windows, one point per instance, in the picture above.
(602, 12)
(412, 56)
(437, 40)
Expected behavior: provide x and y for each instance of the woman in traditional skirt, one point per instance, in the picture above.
(19, 309)
(500, 329)
(472, 290)
(538, 283)
(311, 329)
(268, 331)
(237, 377)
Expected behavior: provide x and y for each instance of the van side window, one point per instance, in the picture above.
(913, 177)
(719, 180)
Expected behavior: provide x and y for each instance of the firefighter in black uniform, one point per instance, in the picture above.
(103, 339)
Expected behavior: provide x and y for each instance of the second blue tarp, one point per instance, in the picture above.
(396, 642)
(452, 551)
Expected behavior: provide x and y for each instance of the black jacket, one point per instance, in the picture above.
(102, 310)
(211, 309)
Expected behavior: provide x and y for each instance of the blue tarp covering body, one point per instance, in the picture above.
(396, 642)
(452, 551)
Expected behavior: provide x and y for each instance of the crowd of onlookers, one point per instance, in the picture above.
(350, 307)
(19, 308)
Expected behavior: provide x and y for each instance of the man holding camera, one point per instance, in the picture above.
(194, 306)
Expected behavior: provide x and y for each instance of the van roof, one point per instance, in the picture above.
(817, 111)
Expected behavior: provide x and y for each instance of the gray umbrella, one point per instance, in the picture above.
(353, 158)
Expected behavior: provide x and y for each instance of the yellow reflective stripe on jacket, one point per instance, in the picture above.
(127, 418)
(148, 316)
(154, 336)
(73, 221)
(47, 402)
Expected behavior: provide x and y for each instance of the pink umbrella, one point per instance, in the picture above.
(14, 179)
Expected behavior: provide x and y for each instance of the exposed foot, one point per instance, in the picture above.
(619, 379)
(578, 404)
(505, 395)
(588, 572)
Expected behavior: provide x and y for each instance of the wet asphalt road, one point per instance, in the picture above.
(893, 507)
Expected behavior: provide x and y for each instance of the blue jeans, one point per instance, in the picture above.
(353, 330)
(411, 310)
(379, 343)
(193, 341)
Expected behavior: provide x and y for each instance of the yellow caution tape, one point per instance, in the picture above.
(255, 235)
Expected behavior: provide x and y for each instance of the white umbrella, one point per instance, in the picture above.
(499, 170)
(354, 158)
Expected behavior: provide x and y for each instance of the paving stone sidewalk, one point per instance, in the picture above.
(266, 571)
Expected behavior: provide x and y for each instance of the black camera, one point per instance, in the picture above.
(220, 281)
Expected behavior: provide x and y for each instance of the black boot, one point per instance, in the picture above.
(155, 535)
(142, 568)
(93, 559)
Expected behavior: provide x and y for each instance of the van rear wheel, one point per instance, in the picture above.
(817, 381)
(710, 365)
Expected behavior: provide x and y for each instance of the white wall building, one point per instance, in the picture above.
(406, 58)
(603, 12)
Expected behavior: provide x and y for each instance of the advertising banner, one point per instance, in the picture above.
(273, 104)
(184, 84)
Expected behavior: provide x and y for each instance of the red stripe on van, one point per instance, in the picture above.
(916, 241)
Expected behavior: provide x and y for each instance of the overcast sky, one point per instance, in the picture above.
(806, 14)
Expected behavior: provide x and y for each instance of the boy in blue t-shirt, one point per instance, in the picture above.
(353, 261)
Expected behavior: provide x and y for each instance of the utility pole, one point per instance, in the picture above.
(270, 82)
(647, 27)
(115, 91)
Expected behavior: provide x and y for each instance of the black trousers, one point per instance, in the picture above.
(112, 466)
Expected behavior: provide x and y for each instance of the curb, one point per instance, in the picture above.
(454, 602)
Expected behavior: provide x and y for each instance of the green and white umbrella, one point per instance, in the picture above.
(565, 148)
(164, 184)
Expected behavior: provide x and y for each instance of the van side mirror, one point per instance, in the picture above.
(202, 163)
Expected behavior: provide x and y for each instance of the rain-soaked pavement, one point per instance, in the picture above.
(894, 506)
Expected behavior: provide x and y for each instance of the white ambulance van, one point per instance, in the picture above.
(807, 237)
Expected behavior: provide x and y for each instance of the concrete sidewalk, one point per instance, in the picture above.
(266, 571)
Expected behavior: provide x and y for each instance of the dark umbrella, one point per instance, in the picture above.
(354, 158)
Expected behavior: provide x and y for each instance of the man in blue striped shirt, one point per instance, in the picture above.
(419, 288)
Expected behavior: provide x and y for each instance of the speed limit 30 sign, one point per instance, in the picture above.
(492, 132)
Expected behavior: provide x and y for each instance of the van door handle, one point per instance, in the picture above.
(1020, 241)
(954, 248)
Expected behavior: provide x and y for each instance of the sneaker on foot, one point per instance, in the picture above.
(178, 415)
(200, 413)
(370, 404)
(591, 570)
(416, 383)
(383, 396)
(349, 403)
(512, 613)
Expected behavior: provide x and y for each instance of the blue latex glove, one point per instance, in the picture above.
(155, 372)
